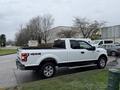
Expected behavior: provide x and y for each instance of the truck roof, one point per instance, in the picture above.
(73, 39)
(82, 39)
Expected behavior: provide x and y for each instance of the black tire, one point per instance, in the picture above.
(101, 62)
(113, 53)
(47, 70)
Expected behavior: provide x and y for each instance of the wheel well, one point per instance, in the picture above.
(113, 51)
(48, 60)
(103, 55)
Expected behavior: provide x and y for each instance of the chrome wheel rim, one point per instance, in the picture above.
(102, 62)
(113, 53)
(48, 71)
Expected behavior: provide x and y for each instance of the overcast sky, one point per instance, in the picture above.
(14, 13)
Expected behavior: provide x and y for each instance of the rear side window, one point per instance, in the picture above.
(59, 44)
(74, 44)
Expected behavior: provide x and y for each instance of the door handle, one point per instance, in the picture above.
(82, 52)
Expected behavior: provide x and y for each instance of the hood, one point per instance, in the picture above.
(101, 50)
(96, 45)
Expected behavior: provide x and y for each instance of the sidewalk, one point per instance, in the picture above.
(113, 62)
(111, 59)
(118, 65)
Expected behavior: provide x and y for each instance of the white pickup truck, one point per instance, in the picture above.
(65, 52)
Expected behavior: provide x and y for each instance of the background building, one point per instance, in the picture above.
(54, 31)
(112, 32)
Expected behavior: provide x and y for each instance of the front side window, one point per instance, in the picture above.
(79, 44)
(84, 45)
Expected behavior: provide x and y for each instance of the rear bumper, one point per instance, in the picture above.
(23, 67)
(19, 65)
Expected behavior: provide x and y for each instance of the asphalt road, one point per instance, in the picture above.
(11, 76)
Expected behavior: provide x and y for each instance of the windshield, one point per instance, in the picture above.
(96, 42)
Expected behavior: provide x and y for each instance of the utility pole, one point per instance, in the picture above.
(114, 33)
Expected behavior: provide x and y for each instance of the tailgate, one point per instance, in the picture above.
(18, 54)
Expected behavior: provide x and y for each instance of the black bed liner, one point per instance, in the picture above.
(39, 48)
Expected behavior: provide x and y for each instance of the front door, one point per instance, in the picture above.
(80, 51)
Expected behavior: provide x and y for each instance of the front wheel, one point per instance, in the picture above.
(48, 70)
(101, 62)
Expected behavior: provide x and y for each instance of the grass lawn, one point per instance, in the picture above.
(87, 80)
(7, 51)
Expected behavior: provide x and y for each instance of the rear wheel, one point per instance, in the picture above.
(101, 62)
(48, 70)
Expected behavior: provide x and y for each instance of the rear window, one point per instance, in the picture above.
(59, 44)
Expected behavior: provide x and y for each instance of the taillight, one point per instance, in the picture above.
(24, 56)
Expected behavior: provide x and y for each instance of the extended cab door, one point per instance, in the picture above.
(81, 51)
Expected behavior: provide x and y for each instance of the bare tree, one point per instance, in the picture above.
(10, 42)
(67, 33)
(36, 29)
(31, 31)
(22, 37)
(46, 24)
(87, 28)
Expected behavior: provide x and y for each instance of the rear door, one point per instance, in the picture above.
(60, 50)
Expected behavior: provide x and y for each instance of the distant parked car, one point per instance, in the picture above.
(98, 43)
(112, 49)
(117, 43)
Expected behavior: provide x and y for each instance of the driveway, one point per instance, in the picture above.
(10, 76)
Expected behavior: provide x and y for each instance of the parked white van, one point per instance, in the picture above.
(98, 43)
